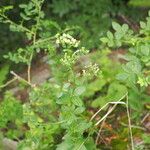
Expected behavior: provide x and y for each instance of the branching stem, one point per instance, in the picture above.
(21, 79)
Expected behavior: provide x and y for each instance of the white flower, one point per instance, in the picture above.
(66, 39)
(91, 69)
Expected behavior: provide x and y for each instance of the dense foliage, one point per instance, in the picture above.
(88, 81)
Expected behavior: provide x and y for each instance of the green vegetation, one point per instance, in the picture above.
(96, 94)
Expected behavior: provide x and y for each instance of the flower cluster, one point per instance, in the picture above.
(67, 40)
(67, 60)
(70, 58)
(91, 69)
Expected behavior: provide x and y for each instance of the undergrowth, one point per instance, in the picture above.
(70, 109)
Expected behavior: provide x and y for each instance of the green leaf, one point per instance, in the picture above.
(132, 67)
(135, 101)
(6, 8)
(125, 28)
(77, 101)
(64, 98)
(132, 50)
(66, 145)
(142, 24)
(79, 90)
(66, 85)
(3, 73)
(116, 26)
(104, 40)
(79, 110)
(23, 5)
(116, 91)
(122, 76)
(99, 102)
(110, 35)
(145, 50)
(24, 16)
(118, 36)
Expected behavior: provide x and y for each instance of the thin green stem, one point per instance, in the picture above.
(34, 41)
(9, 82)
(25, 29)
(129, 122)
(21, 79)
